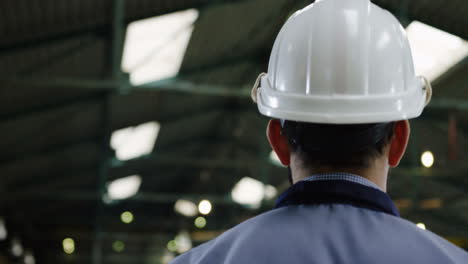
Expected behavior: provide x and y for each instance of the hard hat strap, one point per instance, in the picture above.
(253, 94)
(428, 88)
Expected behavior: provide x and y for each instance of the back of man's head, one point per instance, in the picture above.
(337, 146)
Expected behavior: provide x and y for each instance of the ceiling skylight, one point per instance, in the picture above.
(124, 188)
(133, 142)
(434, 51)
(154, 47)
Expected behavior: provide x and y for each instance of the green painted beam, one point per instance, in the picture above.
(118, 29)
(446, 103)
(175, 85)
(163, 85)
(188, 87)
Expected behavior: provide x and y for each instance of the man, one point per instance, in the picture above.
(340, 89)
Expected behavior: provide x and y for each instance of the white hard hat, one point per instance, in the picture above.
(341, 62)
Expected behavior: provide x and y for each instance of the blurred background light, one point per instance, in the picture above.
(68, 245)
(249, 192)
(167, 257)
(124, 188)
(421, 225)
(427, 159)
(204, 207)
(434, 51)
(127, 217)
(270, 192)
(172, 246)
(16, 247)
(133, 142)
(183, 241)
(200, 222)
(29, 258)
(147, 58)
(3, 230)
(434, 203)
(403, 203)
(186, 208)
(118, 246)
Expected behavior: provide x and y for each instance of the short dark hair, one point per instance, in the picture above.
(337, 146)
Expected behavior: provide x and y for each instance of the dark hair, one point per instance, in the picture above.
(337, 146)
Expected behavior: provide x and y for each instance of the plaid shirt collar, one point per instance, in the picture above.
(343, 177)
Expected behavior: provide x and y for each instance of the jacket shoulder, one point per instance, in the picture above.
(332, 233)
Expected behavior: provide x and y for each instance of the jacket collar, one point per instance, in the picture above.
(337, 191)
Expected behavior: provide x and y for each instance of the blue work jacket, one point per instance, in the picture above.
(325, 222)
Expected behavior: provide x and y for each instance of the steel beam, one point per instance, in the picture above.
(175, 85)
(115, 85)
(118, 17)
(448, 103)
(189, 87)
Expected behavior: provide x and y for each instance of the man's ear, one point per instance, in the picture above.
(278, 142)
(401, 133)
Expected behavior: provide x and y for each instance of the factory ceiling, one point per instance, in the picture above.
(62, 95)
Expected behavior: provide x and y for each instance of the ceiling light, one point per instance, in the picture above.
(118, 246)
(421, 225)
(427, 159)
(3, 230)
(200, 222)
(434, 51)
(204, 207)
(183, 241)
(16, 247)
(127, 217)
(133, 142)
(124, 188)
(29, 258)
(248, 192)
(172, 246)
(167, 257)
(68, 245)
(186, 208)
(149, 58)
(270, 192)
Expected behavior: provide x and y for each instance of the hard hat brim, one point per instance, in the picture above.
(341, 109)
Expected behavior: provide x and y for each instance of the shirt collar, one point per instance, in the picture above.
(342, 176)
(337, 189)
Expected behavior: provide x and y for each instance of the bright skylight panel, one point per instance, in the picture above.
(434, 51)
(133, 142)
(154, 47)
(124, 188)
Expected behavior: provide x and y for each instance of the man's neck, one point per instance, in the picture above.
(377, 173)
